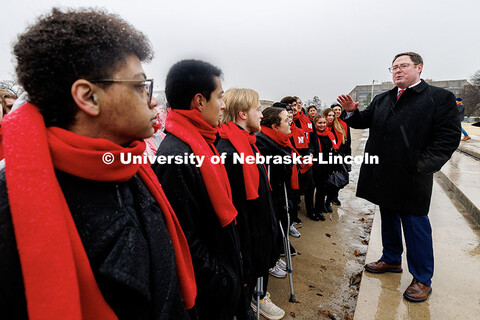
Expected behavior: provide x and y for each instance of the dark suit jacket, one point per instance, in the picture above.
(413, 138)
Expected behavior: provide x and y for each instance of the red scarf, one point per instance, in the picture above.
(298, 136)
(189, 126)
(280, 138)
(1, 145)
(242, 142)
(326, 133)
(284, 140)
(338, 134)
(305, 124)
(56, 271)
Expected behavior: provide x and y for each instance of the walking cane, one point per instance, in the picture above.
(288, 254)
(286, 244)
(259, 292)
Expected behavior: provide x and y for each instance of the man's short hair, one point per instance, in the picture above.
(288, 100)
(65, 46)
(415, 57)
(314, 107)
(186, 78)
(237, 100)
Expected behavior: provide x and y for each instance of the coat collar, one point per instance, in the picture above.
(418, 88)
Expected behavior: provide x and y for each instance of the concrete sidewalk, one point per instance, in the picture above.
(462, 176)
(456, 236)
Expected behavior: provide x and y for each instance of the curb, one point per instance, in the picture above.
(462, 198)
(468, 151)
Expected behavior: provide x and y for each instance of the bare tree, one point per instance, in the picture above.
(12, 86)
(476, 79)
(471, 100)
(315, 101)
(470, 94)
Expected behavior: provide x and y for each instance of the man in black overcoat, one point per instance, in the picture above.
(200, 190)
(414, 130)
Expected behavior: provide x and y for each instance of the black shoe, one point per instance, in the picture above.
(328, 206)
(313, 216)
(321, 208)
(293, 252)
(336, 202)
(321, 216)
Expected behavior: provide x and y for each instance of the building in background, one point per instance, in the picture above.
(266, 104)
(363, 93)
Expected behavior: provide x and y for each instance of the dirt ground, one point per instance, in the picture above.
(331, 256)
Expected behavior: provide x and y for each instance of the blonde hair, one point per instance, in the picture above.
(236, 100)
(4, 94)
(336, 124)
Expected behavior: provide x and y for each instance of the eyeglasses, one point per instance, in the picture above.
(402, 67)
(146, 83)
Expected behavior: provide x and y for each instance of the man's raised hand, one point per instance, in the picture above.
(347, 103)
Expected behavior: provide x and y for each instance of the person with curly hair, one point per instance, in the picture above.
(84, 236)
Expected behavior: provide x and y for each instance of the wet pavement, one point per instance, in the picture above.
(456, 282)
(332, 253)
(456, 239)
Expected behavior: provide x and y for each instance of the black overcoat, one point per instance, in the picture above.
(257, 223)
(413, 138)
(215, 249)
(280, 176)
(126, 241)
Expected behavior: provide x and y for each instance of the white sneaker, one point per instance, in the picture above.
(294, 232)
(277, 272)
(268, 309)
(281, 264)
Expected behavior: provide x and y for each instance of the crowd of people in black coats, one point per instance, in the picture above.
(88, 238)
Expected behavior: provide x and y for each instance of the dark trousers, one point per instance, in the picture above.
(332, 193)
(307, 188)
(418, 240)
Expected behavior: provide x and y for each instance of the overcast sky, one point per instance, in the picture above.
(280, 47)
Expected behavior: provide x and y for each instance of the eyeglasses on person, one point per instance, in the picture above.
(402, 67)
(147, 83)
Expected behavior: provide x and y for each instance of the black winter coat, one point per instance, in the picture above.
(127, 243)
(311, 136)
(280, 176)
(413, 138)
(321, 171)
(257, 223)
(215, 250)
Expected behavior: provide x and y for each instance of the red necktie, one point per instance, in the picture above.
(400, 93)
